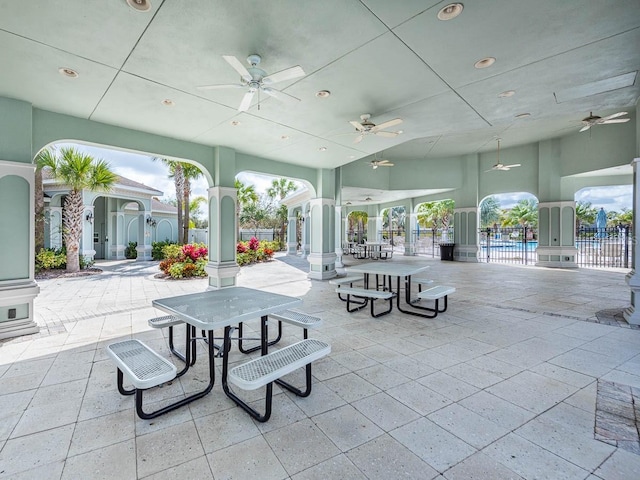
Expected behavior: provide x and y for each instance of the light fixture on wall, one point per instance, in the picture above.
(89, 217)
(151, 221)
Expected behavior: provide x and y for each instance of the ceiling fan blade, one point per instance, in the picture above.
(615, 115)
(585, 128)
(512, 165)
(615, 120)
(358, 125)
(386, 134)
(358, 139)
(389, 164)
(246, 101)
(279, 94)
(238, 67)
(490, 170)
(390, 123)
(287, 74)
(216, 87)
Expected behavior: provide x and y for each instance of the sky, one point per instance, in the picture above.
(141, 168)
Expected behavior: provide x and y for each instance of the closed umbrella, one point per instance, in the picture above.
(601, 224)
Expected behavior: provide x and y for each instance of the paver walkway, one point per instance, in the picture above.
(503, 385)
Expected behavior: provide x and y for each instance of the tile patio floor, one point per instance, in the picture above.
(503, 385)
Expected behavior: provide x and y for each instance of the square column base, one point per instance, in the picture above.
(557, 257)
(322, 266)
(222, 275)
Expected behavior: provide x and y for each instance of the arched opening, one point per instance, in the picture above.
(509, 228)
(434, 226)
(604, 226)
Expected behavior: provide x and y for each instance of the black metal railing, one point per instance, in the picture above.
(608, 247)
(427, 241)
(508, 245)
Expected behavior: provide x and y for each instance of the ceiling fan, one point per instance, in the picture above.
(501, 166)
(366, 127)
(256, 80)
(592, 120)
(380, 163)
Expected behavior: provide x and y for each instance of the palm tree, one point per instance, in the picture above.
(194, 208)
(175, 172)
(585, 214)
(80, 172)
(47, 154)
(279, 189)
(433, 214)
(189, 172)
(524, 213)
(489, 211)
(246, 196)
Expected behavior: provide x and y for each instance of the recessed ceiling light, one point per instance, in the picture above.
(323, 94)
(139, 5)
(352, 156)
(284, 137)
(450, 11)
(485, 62)
(168, 102)
(68, 72)
(507, 93)
(523, 115)
(323, 149)
(400, 131)
(235, 123)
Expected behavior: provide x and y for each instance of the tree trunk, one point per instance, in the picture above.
(187, 195)
(178, 178)
(39, 211)
(72, 229)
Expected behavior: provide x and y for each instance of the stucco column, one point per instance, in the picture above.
(557, 234)
(17, 285)
(465, 234)
(339, 236)
(322, 258)
(86, 242)
(222, 266)
(292, 243)
(374, 225)
(306, 231)
(410, 238)
(55, 227)
(117, 235)
(631, 314)
(145, 231)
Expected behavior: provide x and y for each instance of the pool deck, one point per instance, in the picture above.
(531, 373)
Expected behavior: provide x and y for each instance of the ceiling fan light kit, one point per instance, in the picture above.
(593, 120)
(500, 166)
(366, 127)
(257, 80)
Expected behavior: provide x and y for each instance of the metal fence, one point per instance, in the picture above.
(260, 234)
(427, 241)
(604, 247)
(508, 245)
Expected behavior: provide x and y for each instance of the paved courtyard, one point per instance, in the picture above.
(529, 374)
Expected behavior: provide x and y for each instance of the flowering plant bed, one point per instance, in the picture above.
(184, 261)
(254, 251)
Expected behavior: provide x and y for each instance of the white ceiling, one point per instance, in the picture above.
(387, 58)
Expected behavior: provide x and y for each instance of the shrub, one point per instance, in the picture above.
(56, 258)
(156, 249)
(254, 251)
(182, 261)
(48, 258)
(130, 252)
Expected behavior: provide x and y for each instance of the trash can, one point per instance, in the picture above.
(446, 251)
